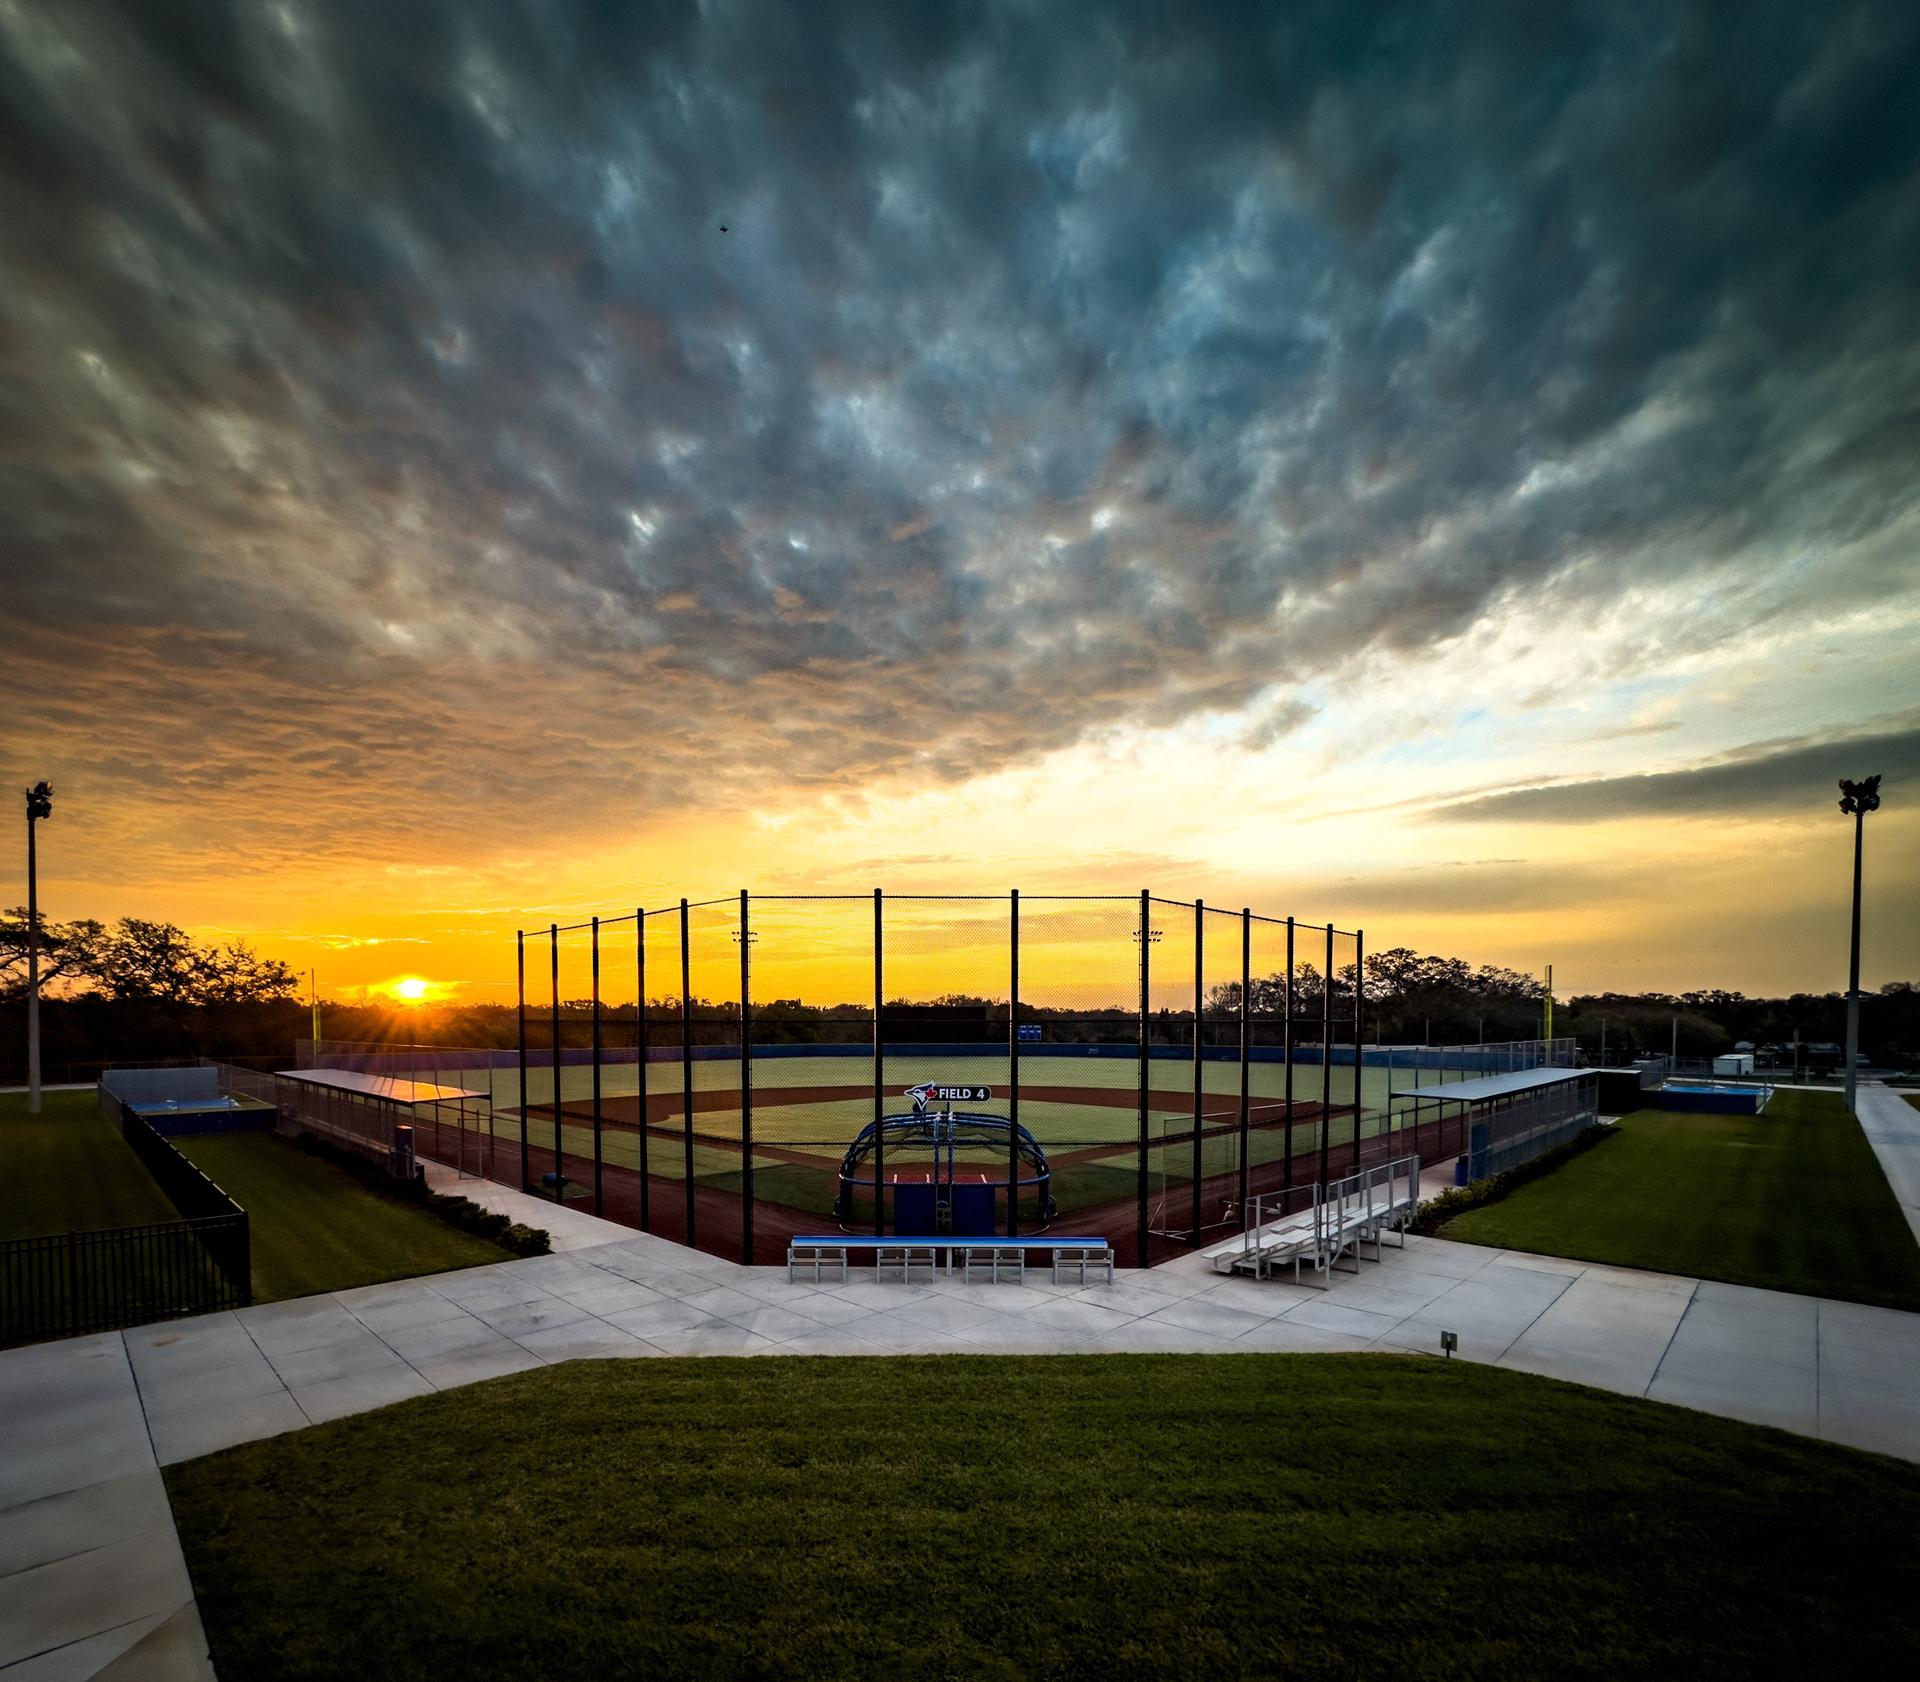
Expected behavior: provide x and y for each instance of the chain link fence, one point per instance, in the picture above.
(728, 1073)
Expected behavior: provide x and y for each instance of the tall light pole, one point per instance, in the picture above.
(39, 805)
(1856, 800)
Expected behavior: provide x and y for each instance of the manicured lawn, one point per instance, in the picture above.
(1002, 1517)
(68, 1170)
(1793, 1200)
(315, 1228)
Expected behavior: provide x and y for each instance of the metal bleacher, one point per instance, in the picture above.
(1341, 1216)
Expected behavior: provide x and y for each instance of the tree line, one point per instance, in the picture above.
(138, 989)
(134, 960)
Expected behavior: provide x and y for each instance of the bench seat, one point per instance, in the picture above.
(993, 1258)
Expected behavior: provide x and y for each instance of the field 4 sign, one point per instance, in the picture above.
(927, 1092)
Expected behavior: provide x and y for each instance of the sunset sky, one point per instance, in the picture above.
(1447, 469)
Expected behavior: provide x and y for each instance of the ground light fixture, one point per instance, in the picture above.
(39, 805)
(1856, 800)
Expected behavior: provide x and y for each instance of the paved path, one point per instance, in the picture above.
(1892, 1127)
(569, 1226)
(92, 1582)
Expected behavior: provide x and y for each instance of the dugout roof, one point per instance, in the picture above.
(388, 1089)
(1489, 1087)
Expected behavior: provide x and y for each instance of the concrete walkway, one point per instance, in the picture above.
(92, 1582)
(569, 1226)
(1892, 1127)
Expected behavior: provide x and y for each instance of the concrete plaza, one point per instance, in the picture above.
(93, 1583)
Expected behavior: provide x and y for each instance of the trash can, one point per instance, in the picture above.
(403, 1160)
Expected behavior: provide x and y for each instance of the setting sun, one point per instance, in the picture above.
(411, 988)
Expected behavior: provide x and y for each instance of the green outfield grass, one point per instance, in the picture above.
(829, 1124)
(1004, 1518)
(1792, 1200)
(799, 1144)
(810, 1185)
(1267, 1080)
(313, 1227)
(69, 1170)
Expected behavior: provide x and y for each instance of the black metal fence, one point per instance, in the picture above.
(67, 1284)
(187, 1188)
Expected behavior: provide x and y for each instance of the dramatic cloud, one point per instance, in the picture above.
(463, 456)
(420, 419)
(1496, 886)
(1770, 778)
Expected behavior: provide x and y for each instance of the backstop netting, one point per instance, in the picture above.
(731, 1072)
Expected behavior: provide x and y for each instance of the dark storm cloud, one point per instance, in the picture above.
(1769, 777)
(378, 390)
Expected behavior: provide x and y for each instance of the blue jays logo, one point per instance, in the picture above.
(931, 1092)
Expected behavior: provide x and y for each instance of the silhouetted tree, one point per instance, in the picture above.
(69, 953)
(160, 963)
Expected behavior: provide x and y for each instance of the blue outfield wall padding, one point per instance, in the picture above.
(1695, 1102)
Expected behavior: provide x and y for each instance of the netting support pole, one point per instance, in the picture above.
(1013, 1073)
(1199, 1064)
(520, 1011)
(879, 1078)
(559, 1161)
(746, 1091)
(1359, 1055)
(1326, 1056)
(1246, 1053)
(686, 1067)
(1286, 1046)
(1140, 1177)
(640, 1047)
(597, 1187)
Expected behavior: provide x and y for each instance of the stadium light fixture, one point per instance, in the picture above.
(1856, 800)
(39, 805)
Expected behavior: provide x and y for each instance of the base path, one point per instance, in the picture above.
(1892, 1127)
(93, 1584)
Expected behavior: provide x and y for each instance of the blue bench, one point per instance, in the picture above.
(987, 1258)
